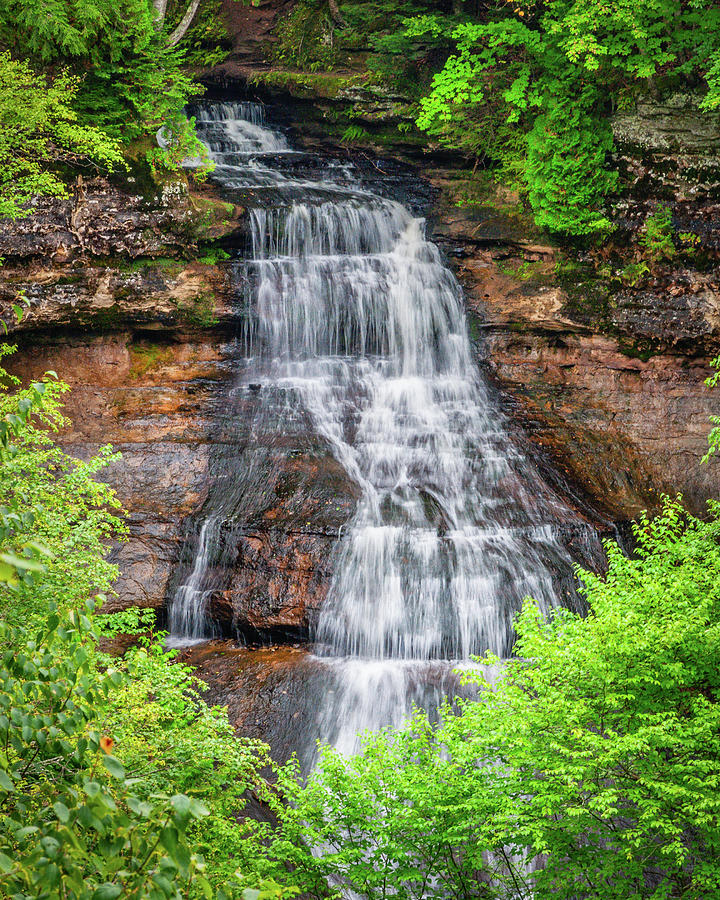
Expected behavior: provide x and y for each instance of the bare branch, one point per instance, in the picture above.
(160, 7)
(185, 23)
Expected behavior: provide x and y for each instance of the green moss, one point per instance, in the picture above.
(475, 326)
(657, 236)
(522, 269)
(146, 356)
(140, 175)
(213, 255)
(166, 265)
(199, 310)
(642, 350)
(566, 267)
(471, 189)
(318, 85)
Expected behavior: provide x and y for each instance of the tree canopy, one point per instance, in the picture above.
(534, 84)
(39, 133)
(586, 767)
(81, 81)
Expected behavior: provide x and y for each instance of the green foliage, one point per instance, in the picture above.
(596, 751)
(549, 73)
(39, 131)
(114, 774)
(565, 171)
(213, 255)
(126, 80)
(179, 143)
(657, 236)
(355, 134)
(378, 26)
(306, 37)
(313, 39)
(172, 742)
(71, 824)
(633, 273)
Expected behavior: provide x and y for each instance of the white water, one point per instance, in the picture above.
(188, 623)
(354, 313)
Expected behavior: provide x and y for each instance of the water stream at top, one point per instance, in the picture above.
(354, 317)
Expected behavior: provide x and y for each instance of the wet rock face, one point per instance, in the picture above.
(611, 385)
(154, 403)
(101, 219)
(282, 500)
(681, 316)
(164, 405)
(270, 694)
(282, 574)
(290, 698)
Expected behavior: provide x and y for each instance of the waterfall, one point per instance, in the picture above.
(354, 314)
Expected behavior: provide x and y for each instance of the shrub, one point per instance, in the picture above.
(588, 767)
(552, 72)
(657, 236)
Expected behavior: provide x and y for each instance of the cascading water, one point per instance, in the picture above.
(354, 317)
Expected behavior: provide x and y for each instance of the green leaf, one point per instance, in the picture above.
(198, 809)
(205, 886)
(107, 891)
(6, 783)
(114, 766)
(22, 562)
(61, 811)
(169, 839)
(181, 804)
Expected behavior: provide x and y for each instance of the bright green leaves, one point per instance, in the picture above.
(71, 824)
(599, 748)
(657, 236)
(532, 88)
(39, 130)
(22, 557)
(566, 174)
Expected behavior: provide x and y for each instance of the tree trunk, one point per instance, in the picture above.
(160, 7)
(185, 23)
(335, 13)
